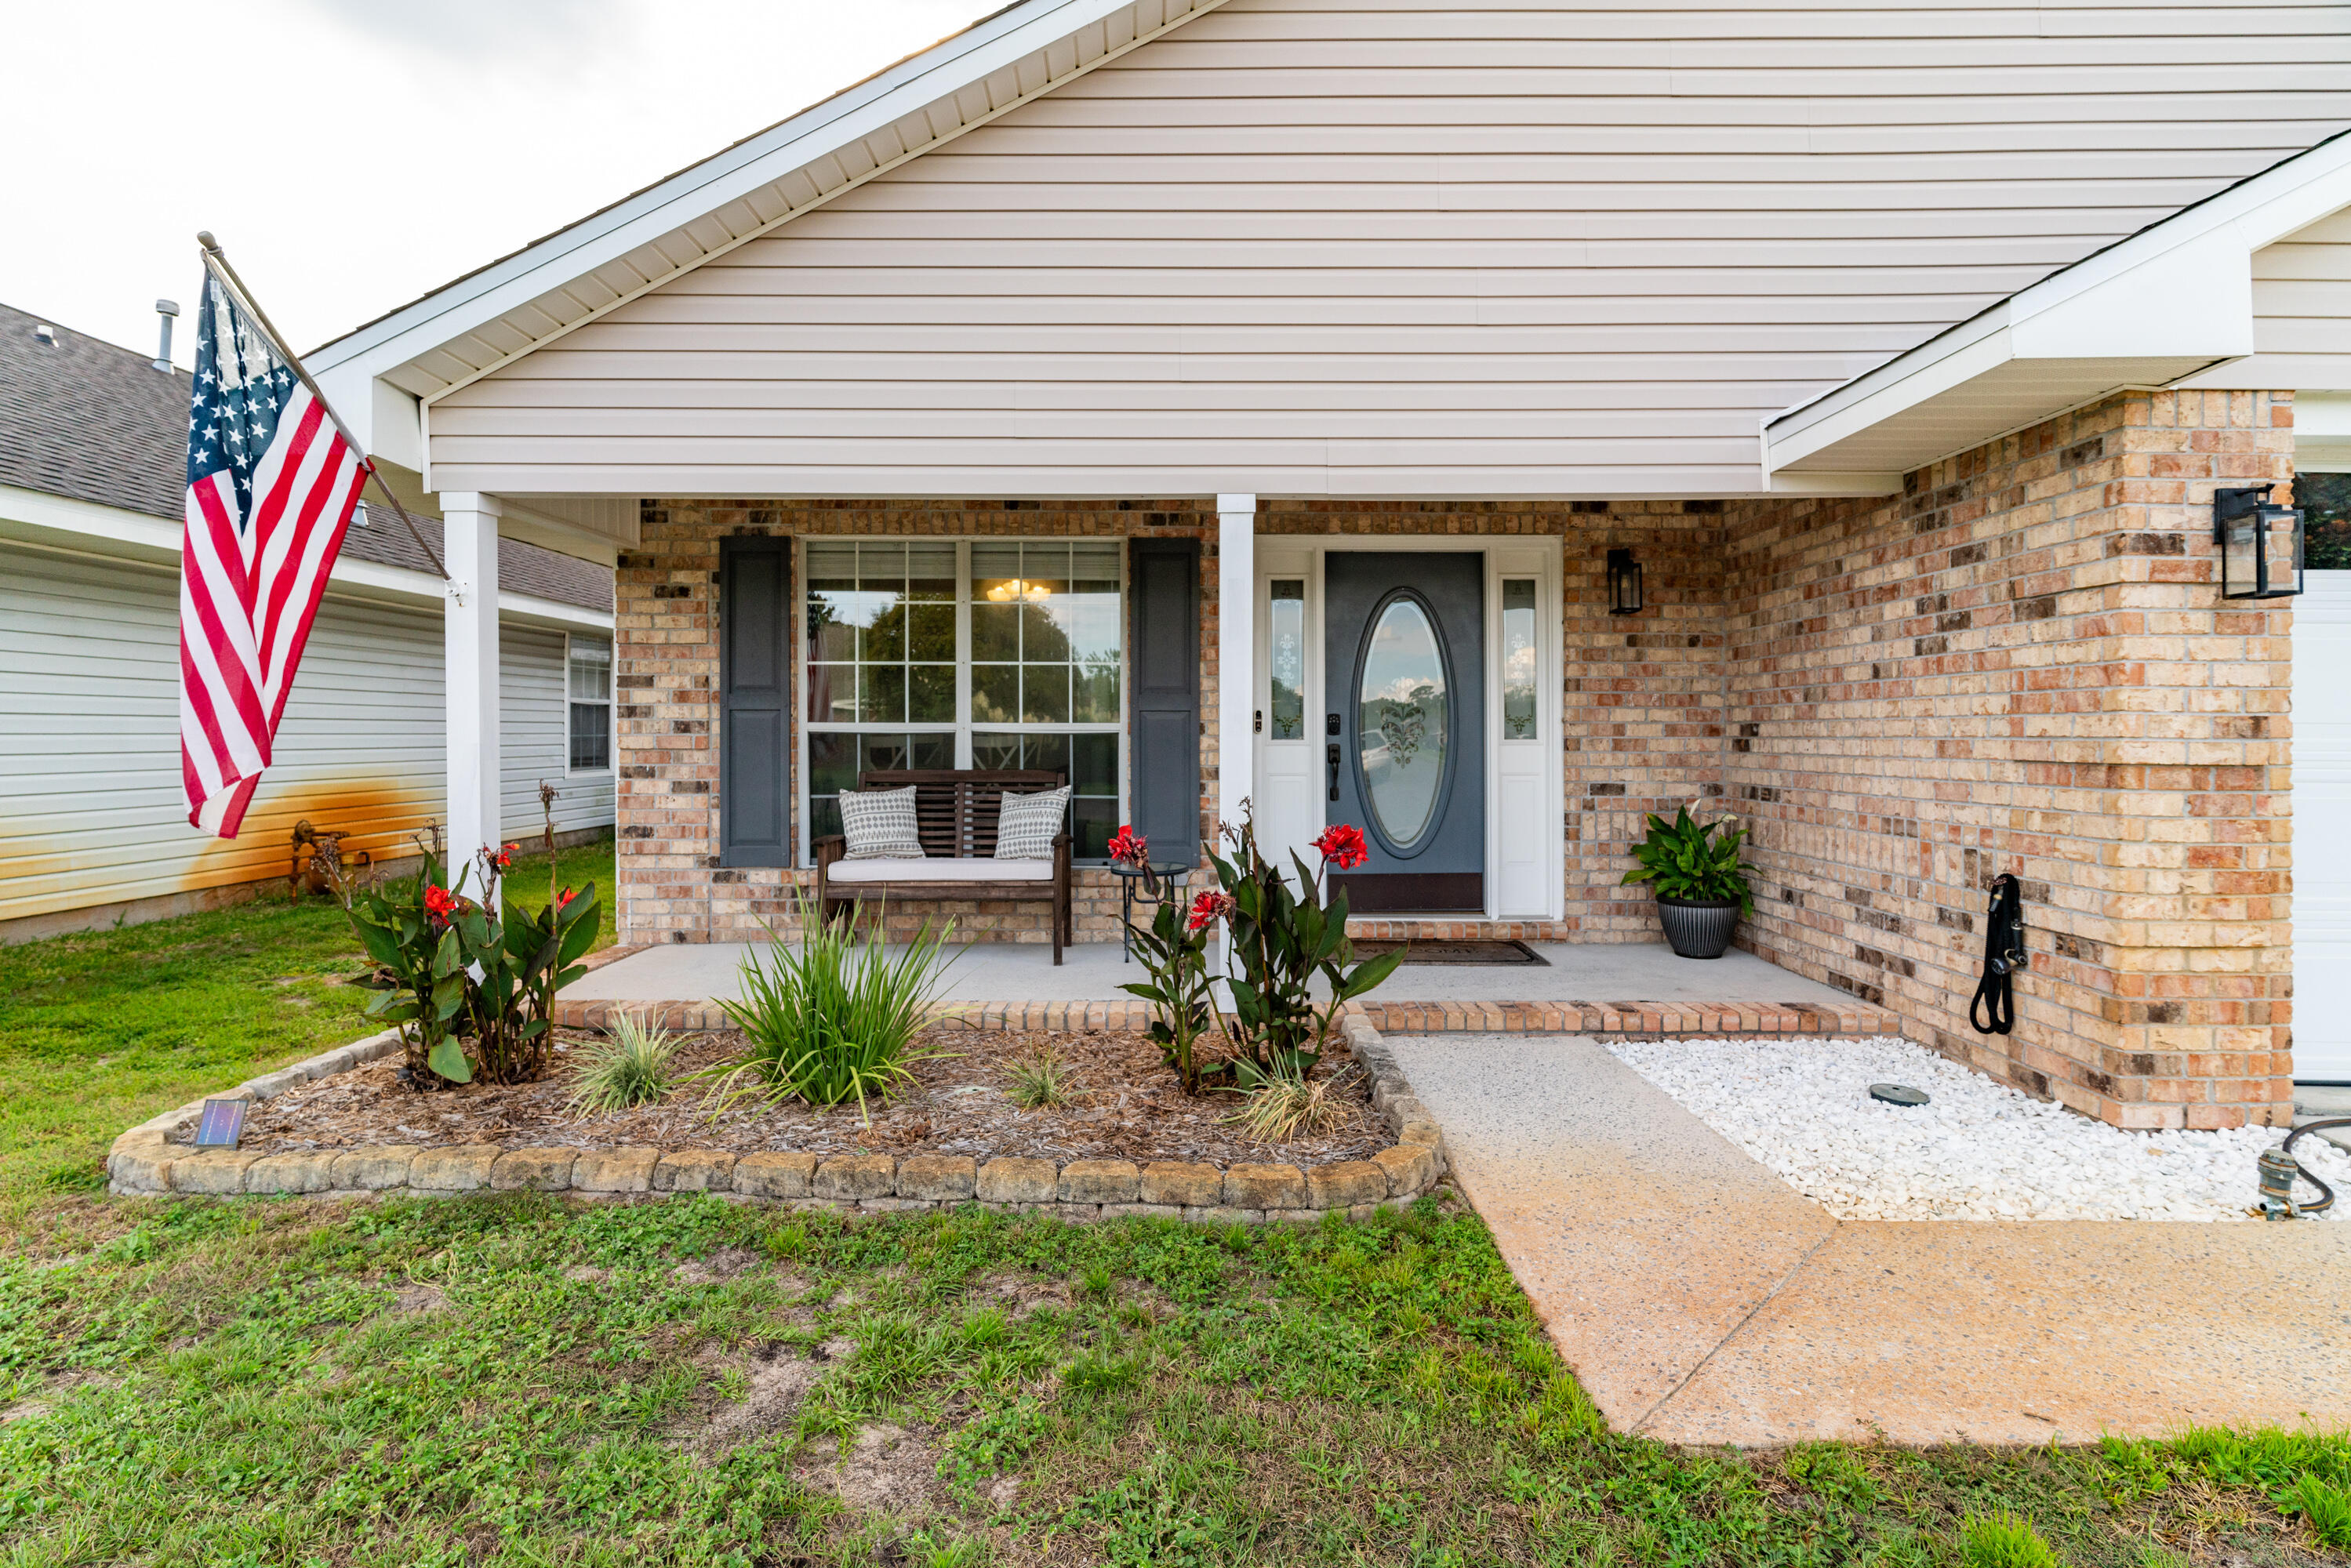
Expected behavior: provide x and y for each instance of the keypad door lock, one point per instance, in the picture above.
(1331, 726)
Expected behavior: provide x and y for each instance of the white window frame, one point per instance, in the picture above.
(804, 727)
(612, 714)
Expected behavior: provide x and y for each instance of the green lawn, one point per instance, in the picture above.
(512, 1379)
(509, 1380)
(102, 1030)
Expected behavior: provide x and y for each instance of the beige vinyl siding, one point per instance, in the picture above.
(2302, 314)
(90, 805)
(1344, 247)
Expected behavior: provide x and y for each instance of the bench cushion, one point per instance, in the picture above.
(938, 868)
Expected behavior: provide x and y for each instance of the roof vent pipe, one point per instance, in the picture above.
(166, 309)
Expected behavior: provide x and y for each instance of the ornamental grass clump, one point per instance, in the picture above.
(1282, 1109)
(1040, 1082)
(628, 1067)
(832, 1019)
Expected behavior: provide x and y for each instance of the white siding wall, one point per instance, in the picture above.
(91, 809)
(535, 738)
(1386, 247)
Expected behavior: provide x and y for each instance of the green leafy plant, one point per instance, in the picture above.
(834, 1019)
(472, 993)
(2004, 1539)
(1174, 953)
(1038, 1082)
(1699, 862)
(1283, 935)
(630, 1066)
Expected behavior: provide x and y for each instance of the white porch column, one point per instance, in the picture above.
(1236, 665)
(1235, 650)
(470, 662)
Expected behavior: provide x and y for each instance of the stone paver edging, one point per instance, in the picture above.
(1815, 1020)
(145, 1161)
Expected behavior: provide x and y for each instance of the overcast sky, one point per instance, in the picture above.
(352, 154)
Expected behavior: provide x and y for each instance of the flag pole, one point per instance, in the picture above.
(216, 263)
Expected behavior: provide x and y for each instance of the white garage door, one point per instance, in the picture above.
(2322, 828)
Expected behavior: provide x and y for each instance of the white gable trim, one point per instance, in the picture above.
(2173, 300)
(491, 319)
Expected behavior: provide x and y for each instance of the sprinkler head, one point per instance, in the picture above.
(1898, 1094)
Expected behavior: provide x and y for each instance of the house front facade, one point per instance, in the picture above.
(1487, 428)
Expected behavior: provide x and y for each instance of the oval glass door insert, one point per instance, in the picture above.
(1401, 728)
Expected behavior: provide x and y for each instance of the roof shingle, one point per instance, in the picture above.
(93, 421)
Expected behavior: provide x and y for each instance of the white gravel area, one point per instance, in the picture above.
(1980, 1150)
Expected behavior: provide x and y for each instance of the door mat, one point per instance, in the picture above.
(1464, 952)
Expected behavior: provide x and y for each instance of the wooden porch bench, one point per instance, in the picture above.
(955, 817)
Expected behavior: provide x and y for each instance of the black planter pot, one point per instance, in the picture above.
(1698, 929)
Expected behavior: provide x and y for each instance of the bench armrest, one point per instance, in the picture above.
(830, 848)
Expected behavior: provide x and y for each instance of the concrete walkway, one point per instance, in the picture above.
(1700, 1300)
(998, 971)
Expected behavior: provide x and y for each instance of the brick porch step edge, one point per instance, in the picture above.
(1856, 1020)
(145, 1162)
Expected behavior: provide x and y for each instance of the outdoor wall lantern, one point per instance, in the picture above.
(1624, 583)
(2261, 544)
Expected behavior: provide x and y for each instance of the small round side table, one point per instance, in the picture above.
(1172, 877)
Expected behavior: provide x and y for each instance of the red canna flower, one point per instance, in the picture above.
(505, 857)
(1208, 908)
(565, 899)
(1128, 846)
(1342, 844)
(440, 903)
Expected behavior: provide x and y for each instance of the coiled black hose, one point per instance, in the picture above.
(2304, 1173)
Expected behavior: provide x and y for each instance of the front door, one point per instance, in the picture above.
(1404, 733)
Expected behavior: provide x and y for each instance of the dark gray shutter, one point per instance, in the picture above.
(1164, 593)
(755, 701)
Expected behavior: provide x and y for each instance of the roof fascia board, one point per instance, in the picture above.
(1973, 347)
(68, 526)
(2182, 286)
(930, 77)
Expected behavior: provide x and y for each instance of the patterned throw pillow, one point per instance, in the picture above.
(880, 824)
(1026, 824)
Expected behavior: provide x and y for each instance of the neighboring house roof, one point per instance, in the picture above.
(93, 421)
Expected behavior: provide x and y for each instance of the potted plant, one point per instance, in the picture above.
(1698, 878)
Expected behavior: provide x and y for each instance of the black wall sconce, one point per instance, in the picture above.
(2261, 544)
(1624, 583)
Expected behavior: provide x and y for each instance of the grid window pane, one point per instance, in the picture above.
(995, 693)
(1045, 694)
(591, 736)
(1032, 633)
(930, 694)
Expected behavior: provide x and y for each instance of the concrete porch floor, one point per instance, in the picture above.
(1005, 971)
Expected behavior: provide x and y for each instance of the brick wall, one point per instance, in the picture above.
(2023, 664)
(2020, 664)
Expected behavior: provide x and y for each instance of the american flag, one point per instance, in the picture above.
(271, 484)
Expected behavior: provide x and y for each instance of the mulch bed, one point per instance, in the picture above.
(1125, 1104)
